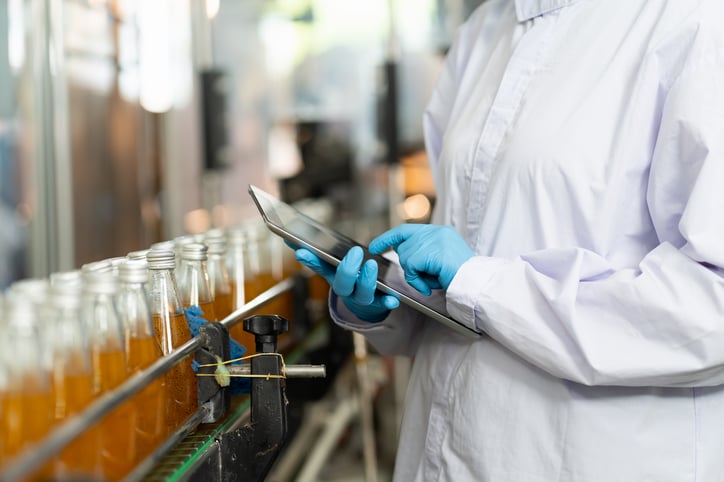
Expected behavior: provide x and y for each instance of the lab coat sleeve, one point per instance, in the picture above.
(570, 313)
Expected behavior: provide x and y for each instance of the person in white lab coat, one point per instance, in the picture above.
(577, 148)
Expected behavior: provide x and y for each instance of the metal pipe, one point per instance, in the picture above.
(290, 371)
(250, 307)
(149, 462)
(365, 409)
(34, 457)
(336, 422)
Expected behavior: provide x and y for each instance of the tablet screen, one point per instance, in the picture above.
(332, 246)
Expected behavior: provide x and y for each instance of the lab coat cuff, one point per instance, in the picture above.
(463, 295)
(343, 317)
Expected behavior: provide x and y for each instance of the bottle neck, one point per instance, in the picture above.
(101, 320)
(163, 293)
(218, 275)
(70, 342)
(194, 286)
(134, 310)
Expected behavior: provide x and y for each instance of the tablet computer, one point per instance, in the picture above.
(331, 246)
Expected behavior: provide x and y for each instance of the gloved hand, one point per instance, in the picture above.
(354, 282)
(430, 255)
(195, 319)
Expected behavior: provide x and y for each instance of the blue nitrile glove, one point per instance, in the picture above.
(430, 255)
(354, 282)
(239, 385)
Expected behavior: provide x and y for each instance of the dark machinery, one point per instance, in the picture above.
(248, 452)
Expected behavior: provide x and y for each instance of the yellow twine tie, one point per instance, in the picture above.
(268, 376)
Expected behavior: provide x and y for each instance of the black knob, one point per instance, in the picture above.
(265, 329)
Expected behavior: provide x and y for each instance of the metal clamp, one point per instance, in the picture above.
(215, 349)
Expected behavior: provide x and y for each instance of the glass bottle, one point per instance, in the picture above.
(193, 280)
(35, 291)
(218, 274)
(235, 263)
(110, 369)
(281, 267)
(258, 265)
(72, 376)
(178, 246)
(268, 250)
(142, 350)
(172, 330)
(27, 404)
(243, 267)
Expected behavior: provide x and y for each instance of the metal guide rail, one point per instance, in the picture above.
(212, 342)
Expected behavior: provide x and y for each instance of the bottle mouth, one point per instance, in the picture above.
(195, 252)
(133, 271)
(161, 259)
(216, 246)
(99, 282)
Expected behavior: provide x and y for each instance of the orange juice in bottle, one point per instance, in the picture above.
(27, 408)
(110, 370)
(222, 304)
(118, 443)
(172, 330)
(72, 376)
(142, 350)
(180, 381)
(208, 309)
(27, 403)
(80, 458)
(151, 425)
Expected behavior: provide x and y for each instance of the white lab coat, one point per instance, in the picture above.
(578, 147)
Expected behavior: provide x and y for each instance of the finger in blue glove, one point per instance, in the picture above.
(354, 282)
(313, 262)
(430, 255)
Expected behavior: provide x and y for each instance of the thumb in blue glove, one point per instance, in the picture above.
(355, 282)
(430, 255)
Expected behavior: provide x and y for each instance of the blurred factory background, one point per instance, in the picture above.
(125, 122)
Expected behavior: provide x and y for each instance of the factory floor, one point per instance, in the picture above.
(349, 467)
(329, 444)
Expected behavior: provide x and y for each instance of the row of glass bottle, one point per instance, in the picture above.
(66, 340)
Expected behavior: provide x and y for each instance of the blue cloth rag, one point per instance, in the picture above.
(239, 385)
